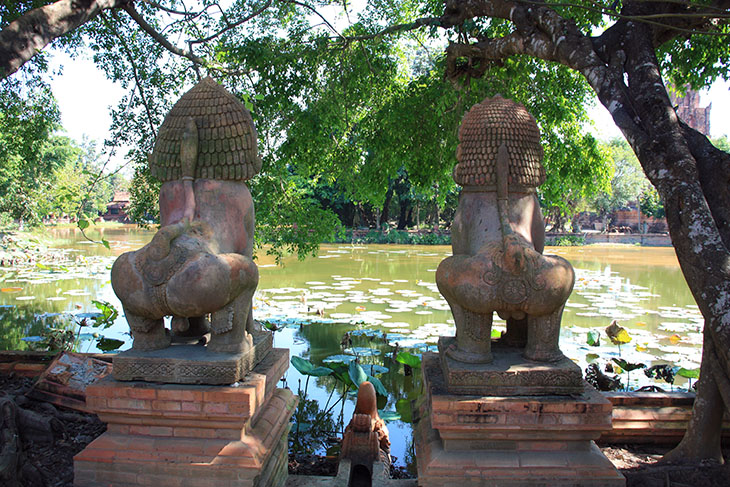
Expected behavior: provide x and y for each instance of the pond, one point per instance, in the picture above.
(382, 297)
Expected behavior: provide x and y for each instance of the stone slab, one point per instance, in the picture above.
(510, 374)
(187, 407)
(510, 441)
(509, 468)
(190, 364)
(191, 435)
(513, 422)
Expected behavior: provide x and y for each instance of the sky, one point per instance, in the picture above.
(85, 95)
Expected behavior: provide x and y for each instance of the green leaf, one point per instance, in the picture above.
(379, 387)
(321, 372)
(594, 338)
(108, 344)
(259, 97)
(83, 224)
(105, 243)
(388, 415)
(407, 358)
(689, 373)
(357, 375)
(628, 366)
(302, 365)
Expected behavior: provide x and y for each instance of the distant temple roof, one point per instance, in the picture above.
(689, 111)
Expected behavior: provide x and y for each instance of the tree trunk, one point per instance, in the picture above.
(384, 216)
(403, 214)
(27, 35)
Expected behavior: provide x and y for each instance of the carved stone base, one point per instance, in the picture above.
(191, 435)
(510, 441)
(190, 364)
(510, 374)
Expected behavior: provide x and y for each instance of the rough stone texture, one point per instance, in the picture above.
(227, 146)
(483, 129)
(190, 364)
(510, 441)
(509, 375)
(191, 435)
(200, 261)
(497, 238)
(658, 418)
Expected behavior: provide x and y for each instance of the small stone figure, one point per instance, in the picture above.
(366, 438)
(200, 261)
(498, 237)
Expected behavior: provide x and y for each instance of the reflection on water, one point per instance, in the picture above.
(385, 296)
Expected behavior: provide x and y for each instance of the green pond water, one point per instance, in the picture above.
(383, 296)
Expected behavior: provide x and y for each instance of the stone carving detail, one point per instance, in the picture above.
(198, 267)
(366, 438)
(498, 238)
(226, 137)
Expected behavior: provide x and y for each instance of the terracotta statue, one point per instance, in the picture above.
(366, 438)
(498, 237)
(199, 262)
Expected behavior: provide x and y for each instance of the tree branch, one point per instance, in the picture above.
(230, 26)
(27, 35)
(162, 40)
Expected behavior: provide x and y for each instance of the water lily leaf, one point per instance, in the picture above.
(362, 351)
(344, 359)
(357, 375)
(689, 373)
(642, 348)
(594, 338)
(617, 334)
(108, 344)
(32, 339)
(628, 366)
(407, 358)
(374, 369)
(388, 415)
(379, 387)
(11, 289)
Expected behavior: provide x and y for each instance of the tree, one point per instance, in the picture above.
(686, 42)
(628, 182)
(28, 116)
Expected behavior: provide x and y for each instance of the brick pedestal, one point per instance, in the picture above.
(173, 435)
(510, 440)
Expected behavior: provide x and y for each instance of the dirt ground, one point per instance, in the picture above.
(50, 437)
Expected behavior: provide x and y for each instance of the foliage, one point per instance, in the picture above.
(64, 338)
(400, 237)
(627, 180)
(566, 241)
(651, 204)
(28, 116)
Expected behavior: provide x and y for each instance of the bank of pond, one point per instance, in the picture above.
(364, 308)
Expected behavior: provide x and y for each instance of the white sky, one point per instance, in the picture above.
(84, 96)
